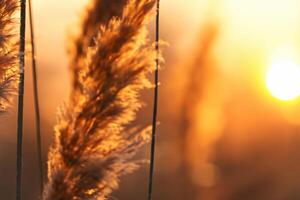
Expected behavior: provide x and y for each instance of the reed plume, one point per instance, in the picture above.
(8, 52)
(94, 142)
(99, 13)
(201, 110)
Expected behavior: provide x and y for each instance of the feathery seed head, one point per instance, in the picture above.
(8, 52)
(93, 144)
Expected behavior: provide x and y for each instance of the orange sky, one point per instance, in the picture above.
(251, 30)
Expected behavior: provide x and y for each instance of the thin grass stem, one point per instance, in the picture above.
(155, 106)
(21, 101)
(36, 98)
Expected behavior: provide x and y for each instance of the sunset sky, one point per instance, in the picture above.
(241, 102)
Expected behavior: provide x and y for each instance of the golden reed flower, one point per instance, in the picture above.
(8, 52)
(99, 13)
(94, 143)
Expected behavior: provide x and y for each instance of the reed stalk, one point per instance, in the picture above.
(95, 139)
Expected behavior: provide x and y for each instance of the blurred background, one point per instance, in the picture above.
(229, 106)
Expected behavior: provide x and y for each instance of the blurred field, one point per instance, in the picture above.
(223, 136)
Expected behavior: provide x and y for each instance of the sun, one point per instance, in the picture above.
(283, 79)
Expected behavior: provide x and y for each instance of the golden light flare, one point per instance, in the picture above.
(283, 79)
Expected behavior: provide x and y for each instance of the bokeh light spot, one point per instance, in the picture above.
(283, 79)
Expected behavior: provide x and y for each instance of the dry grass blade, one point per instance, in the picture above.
(93, 144)
(8, 52)
(98, 14)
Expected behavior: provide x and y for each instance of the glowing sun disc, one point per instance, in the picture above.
(283, 79)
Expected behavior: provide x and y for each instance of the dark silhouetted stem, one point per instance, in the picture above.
(155, 106)
(21, 101)
(36, 98)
